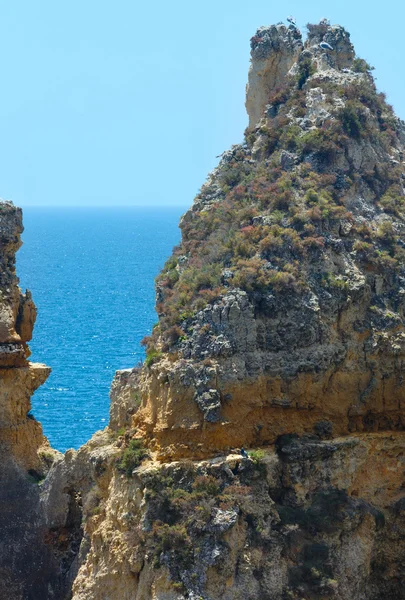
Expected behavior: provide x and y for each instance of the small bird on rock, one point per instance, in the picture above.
(292, 21)
(244, 453)
(325, 46)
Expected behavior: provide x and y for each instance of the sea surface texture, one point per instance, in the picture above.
(91, 272)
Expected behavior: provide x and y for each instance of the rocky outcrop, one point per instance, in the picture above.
(20, 434)
(277, 53)
(17, 313)
(281, 329)
(312, 518)
(27, 568)
(283, 305)
(274, 50)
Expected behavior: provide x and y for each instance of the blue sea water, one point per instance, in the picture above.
(91, 272)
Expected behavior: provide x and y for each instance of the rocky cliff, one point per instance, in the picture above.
(281, 329)
(27, 569)
(283, 304)
(310, 518)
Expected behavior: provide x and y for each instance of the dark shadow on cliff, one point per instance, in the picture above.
(28, 570)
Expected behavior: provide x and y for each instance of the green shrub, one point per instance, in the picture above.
(392, 202)
(277, 216)
(206, 484)
(311, 197)
(289, 139)
(152, 356)
(386, 233)
(254, 274)
(320, 142)
(330, 280)
(172, 335)
(171, 263)
(359, 65)
(278, 96)
(172, 539)
(352, 120)
(305, 70)
(364, 248)
(313, 243)
(386, 261)
(132, 457)
(116, 434)
(257, 455)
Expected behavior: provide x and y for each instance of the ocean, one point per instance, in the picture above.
(91, 272)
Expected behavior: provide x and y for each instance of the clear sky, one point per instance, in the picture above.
(129, 102)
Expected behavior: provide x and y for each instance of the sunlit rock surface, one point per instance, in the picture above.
(281, 330)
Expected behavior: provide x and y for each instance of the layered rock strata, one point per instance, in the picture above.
(311, 518)
(281, 328)
(283, 304)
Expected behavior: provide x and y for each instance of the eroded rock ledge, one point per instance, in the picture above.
(310, 518)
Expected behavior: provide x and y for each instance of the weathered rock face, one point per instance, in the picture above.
(311, 519)
(281, 320)
(283, 305)
(276, 53)
(27, 569)
(275, 50)
(17, 312)
(20, 434)
(281, 328)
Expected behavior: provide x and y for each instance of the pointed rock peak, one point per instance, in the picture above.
(274, 50)
(274, 38)
(342, 54)
(278, 53)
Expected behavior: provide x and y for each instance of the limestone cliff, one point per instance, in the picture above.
(283, 304)
(281, 328)
(310, 518)
(27, 570)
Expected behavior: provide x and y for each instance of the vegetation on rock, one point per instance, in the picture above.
(132, 457)
(261, 221)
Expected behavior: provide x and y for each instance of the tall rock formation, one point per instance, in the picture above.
(275, 50)
(283, 304)
(21, 435)
(27, 569)
(281, 329)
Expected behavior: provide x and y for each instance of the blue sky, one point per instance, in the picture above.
(128, 103)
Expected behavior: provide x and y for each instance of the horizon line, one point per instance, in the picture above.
(102, 205)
